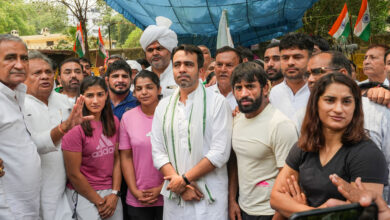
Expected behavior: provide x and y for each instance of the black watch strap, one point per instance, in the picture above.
(186, 180)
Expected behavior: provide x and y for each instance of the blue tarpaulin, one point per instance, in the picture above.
(196, 21)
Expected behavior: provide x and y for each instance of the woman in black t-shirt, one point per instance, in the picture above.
(332, 140)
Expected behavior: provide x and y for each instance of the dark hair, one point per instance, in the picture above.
(259, 62)
(85, 60)
(338, 60)
(245, 53)
(205, 47)
(106, 117)
(118, 65)
(312, 137)
(385, 47)
(297, 40)
(148, 74)
(386, 54)
(189, 48)
(69, 60)
(272, 45)
(229, 49)
(249, 72)
(320, 42)
(114, 56)
(143, 62)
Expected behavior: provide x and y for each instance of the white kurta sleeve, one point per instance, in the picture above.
(43, 142)
(222, 123)
(159, 153)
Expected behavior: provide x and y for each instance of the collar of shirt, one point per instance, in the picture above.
(129, 98)
(301, 90)
(18, 93)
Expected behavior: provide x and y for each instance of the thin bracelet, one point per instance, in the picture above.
(59, 128)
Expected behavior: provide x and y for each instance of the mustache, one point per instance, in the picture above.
(121, 84)
(17, 72)
(245, 99)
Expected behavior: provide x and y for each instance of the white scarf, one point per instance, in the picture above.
(196, 129)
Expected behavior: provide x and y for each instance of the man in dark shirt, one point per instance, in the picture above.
(118, 78)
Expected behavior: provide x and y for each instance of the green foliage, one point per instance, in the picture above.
(14, 16)
(120, 27)
(319, 19)
(45, 14)
(29, 18)
(133, 39)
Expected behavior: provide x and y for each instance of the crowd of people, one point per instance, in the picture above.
(192, 136)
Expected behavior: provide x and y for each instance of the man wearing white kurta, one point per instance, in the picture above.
(19, 187)
(158, 41)
(45, 110)
(292, 94)
(191, 143)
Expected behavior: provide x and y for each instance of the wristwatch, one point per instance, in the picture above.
(116, 192)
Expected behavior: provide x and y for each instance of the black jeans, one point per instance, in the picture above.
(145, 213)
(245, 216)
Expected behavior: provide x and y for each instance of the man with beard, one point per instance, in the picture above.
(262, 137)
(118, 78)
(272, 64)
(158, 42)
(191, 137)
(70, 77)
(293, 93)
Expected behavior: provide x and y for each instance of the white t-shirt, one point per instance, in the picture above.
(283, 98)
(261, 145)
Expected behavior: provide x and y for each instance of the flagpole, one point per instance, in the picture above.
(352, 38)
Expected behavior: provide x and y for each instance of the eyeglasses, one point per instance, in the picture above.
(321, 70)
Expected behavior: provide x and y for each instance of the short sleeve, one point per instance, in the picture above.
(294, 157)
(284, 136)
(124, 138)
(369, 163)
(73, 139)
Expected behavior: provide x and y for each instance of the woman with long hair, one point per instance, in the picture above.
(91, 157)
(332, 140)
(144, 181)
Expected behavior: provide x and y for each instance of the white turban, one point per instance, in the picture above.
(134, 65)
(161, 33)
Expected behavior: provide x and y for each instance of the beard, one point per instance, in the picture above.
(253, 107)
(119, 92)
(300, 75)
(278, 75)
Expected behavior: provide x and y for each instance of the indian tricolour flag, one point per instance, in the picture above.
(341, 26)
(79, 43)
(362, 26)
(102, 51)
